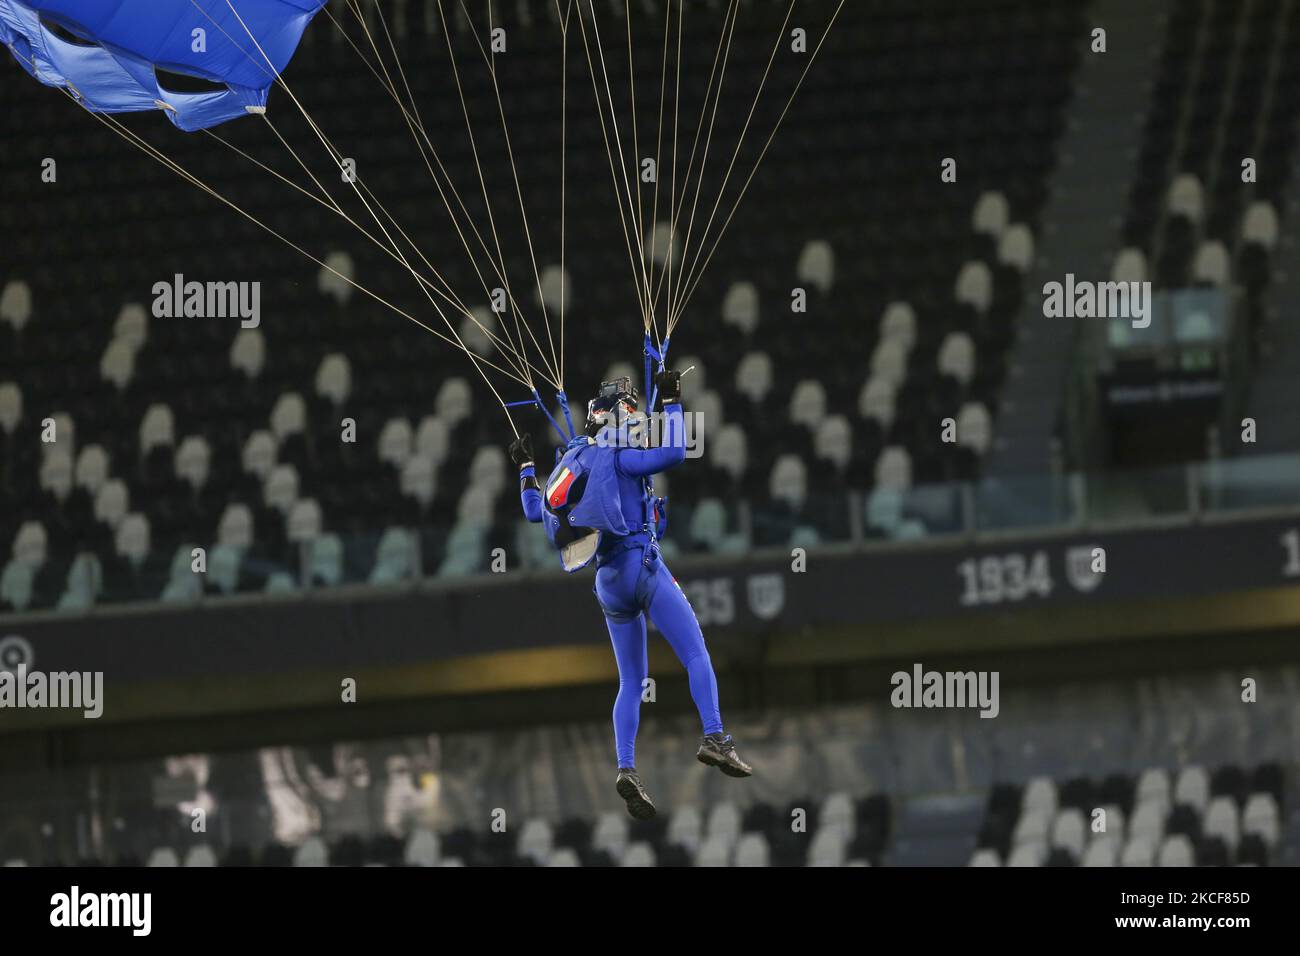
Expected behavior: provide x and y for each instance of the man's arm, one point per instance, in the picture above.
(530, 494)
(642, 462)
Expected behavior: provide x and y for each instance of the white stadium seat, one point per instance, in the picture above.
(334, 378)
(112, 502)
(1016, 247)
(1193, 788)
(11, 407)
(289, 416)
(740, 307)
(131, 326)
(1186, 197)
(816, 265)
(132, 538)
(395, 442)
(259, 454)
(16, 304)
(248, 352)
(991, 213)
(898, 324)
(974, 286)
(754, 376)
(788, 481)
(158, 428)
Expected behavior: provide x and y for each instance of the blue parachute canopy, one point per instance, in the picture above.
(126, 55)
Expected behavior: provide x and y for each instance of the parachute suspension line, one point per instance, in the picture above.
(269, 74)
(646, 249)
(609, 153)
(564, 18)
(508, 352)
(487, 200)
(733, 11)
(672, 198)
(685, 299)
(659, 143)
(338, 160)
(726, 178)
(412, 118)
(679, 207)
(332, 207)
(354, 6)
(415, 124)
(337, 157)
(519, 358)
(523, 365)
(449, 295)
(334, 152)
(489, 56)
(572, 436)
(633, 204)
(153, 152)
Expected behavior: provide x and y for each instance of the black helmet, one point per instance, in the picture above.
(620, 393)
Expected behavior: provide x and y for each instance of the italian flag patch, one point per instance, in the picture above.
(557, 492)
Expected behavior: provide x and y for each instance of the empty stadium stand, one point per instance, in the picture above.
(131, 440)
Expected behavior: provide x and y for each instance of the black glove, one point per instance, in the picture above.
(669, 384)
(521, 450)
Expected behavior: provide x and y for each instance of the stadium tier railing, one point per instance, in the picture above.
(398, 556)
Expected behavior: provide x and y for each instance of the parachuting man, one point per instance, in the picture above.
(599, 505)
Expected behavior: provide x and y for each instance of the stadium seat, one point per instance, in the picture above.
(535, 841)
(1029, 853)
(312, 852)
(1193, 788)
(163, 856)
(611, 834)
(423, 848)
(1102, 852)
(715, 851)
(828, 847)
(816, 266)
(1176, 851)
(740, 307)
(1260, 818)
(752, 850)
(395, 442)
(200, 856)
(685, 828)
(639, 854)
(991, 214)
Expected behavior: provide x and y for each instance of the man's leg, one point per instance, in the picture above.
(629, 640)
(672, 614)
(616, 591)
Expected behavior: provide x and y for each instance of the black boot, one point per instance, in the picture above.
(628, 785)
(718, 750)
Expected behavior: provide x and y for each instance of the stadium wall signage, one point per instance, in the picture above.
(733, 598)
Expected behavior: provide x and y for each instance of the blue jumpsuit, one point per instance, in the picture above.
(633, 581)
